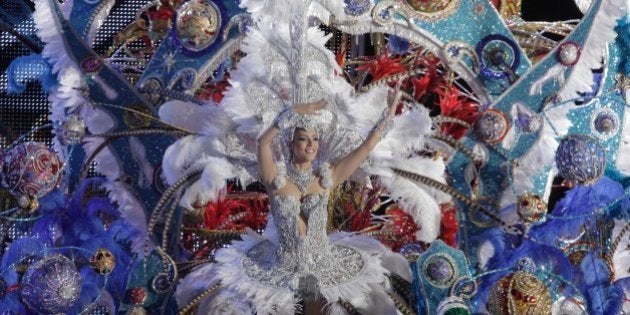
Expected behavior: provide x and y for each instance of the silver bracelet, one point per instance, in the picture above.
(384, 125)
(283, 120)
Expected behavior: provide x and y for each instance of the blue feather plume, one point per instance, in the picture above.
(26, 69)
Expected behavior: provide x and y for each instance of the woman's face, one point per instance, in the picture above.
(304, 145)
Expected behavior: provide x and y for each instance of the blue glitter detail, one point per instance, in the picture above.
(357, 7)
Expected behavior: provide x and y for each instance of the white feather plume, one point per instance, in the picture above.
(592, 51)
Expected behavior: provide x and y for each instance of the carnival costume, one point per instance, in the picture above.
(518, 115)
(273, 272)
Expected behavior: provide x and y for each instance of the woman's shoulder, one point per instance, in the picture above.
(325, 175)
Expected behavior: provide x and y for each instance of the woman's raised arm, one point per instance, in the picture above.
(264, 154)
(351, 162)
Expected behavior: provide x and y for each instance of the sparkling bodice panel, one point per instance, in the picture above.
(297, 256)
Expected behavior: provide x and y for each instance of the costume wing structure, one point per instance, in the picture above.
(540, 107)
(95, 93)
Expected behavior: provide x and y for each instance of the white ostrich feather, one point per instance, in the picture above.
(621, 256)
(593, 48)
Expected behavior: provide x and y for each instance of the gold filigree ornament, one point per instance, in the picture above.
(430, 10)
(519, 293)
(103, 261)
(197, 24)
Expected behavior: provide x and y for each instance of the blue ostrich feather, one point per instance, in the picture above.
(397, 45)
(11, 304)
(578, 210)
(46, 228)
(20, 249)
(616, 296)
(30, 68)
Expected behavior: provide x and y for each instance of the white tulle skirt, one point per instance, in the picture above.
(240, 293)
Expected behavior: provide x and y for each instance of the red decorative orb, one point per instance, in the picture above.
(30, 169)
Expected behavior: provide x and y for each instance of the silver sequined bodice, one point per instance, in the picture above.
(296, 256)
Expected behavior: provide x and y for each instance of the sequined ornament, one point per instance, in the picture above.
(568, 53)
(492, 126)
(357, 7)
(519, 293)
(568, 306)
(604, 123)
(531, 208)
(439, 270)
(137, 295)
(581, 158)
(30, 169)
(430, 10)
(197, 25)
(72, 130)
(51, 285)
(103, 261)
(499, 56)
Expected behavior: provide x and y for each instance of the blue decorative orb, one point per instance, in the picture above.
(581, 158)
(51, 285)
(439, 270)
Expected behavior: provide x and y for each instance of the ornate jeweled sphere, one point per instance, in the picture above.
(439, 270)
(492, 126)
(30, 169)
(51, 285)
(197, 24)
(568, 53)
(581, 158)
(604, 123)
(519, 293)
(103, 261)
(72, 130)
(569, 306)
(531, 208)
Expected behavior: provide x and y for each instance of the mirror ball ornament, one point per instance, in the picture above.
(581, 158)
(103, 261)
(492, 126)
(531, 208)
(51, 285)
(519, 293)
(29, 169)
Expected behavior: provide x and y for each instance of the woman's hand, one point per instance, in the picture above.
(393, 99)
(309, 108)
